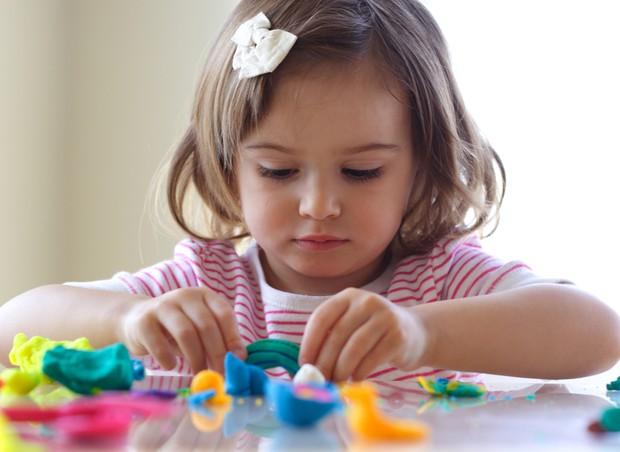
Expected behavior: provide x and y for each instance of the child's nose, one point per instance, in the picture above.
(319, 201)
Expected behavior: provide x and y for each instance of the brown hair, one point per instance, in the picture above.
(457, 190)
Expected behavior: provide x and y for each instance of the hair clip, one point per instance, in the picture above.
(259, 49)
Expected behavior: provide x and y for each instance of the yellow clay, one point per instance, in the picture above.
(16, 381)
(28, 353)
(368, 423)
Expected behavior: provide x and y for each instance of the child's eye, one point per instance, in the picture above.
(276, 173)
(357, 175)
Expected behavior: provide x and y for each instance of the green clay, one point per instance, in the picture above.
(466, 390)
(275, 345)
(614, 385)
(454, 388)
(269, 353)
(610, 420)
(87, 372)
(183, 392)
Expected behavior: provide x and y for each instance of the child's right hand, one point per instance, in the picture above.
(195, 323)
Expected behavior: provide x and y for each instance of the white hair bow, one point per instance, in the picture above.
(259, 49)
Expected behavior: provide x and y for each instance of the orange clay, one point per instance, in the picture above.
(368, 423)
(210, 379)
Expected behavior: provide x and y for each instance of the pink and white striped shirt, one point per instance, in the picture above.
(452, 269)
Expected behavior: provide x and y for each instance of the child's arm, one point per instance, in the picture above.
(541, 331)
(192, 322)
(64, 313)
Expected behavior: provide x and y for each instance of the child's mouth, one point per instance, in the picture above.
(322, 243)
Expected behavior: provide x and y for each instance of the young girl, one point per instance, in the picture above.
(333, 134)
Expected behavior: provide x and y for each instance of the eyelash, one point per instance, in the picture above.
(281, 174)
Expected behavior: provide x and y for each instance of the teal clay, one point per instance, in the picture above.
(465, 390)
(610, 420)
(614, 385)
(270, 353)
(87, 372)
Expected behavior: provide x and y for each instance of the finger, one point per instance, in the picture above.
(381, 353)
(137, 349)
(319, 324)
(173, 344)
(361, 342)
(182, 330)
(156, 343)
(330, 352)
(215, 348)
(227, 322)
(205, 324)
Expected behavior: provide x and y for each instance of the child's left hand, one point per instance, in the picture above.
(355, 331)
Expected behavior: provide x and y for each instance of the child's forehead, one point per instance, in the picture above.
(333, 80)
(335, 105)
(348, 88)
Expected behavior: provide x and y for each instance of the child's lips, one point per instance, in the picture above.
(319, 242)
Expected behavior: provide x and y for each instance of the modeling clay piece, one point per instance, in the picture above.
(157, 393)
(614, 385)
(87, 372)
(301, 405)
(443, 386)
(309, 374)
(17, 381)
(270, 353)
(368, 423)
(10, 440)
(243, 379)
(199, 398)
(610, 420)
(596, 427)
(97, 417)
(28, 353)
(184, 392)
(206, 380)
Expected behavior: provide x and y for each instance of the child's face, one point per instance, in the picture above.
(325, 179)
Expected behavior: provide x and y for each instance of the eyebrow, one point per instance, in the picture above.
(351, 150)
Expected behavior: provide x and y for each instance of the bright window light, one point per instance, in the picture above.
(542, 81)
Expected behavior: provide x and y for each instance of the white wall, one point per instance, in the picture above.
(133, 78)
(542, 79)
(33, 112)
(92, 96)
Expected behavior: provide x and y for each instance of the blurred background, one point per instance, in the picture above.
(94, 94)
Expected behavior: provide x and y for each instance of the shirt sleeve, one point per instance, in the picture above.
(195, 263)
(111, 285)
(472, 272)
